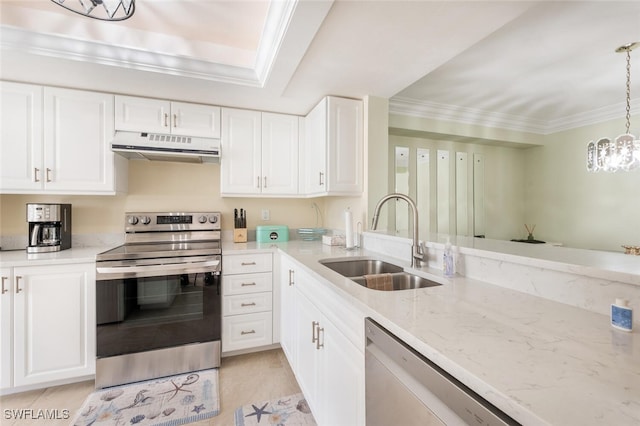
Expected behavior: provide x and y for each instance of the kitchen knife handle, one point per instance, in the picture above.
(4, 289)
(35, 174)
(18, 289)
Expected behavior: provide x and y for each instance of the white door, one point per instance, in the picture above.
(20, 137)
(307, 353)
(142, 115)
(78, 129)
(54, 323)
(241, 153)
(6, 323)
(342, 386)
(288, 310)
(195, 120)
(345, 149)
(279, 154)
(316, 149)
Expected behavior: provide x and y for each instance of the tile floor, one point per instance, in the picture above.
(243, 379)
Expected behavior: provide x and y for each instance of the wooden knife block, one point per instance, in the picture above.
(239, 235)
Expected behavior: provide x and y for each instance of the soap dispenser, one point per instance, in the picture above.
(447, 260)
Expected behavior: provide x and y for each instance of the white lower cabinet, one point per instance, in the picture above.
(48, 321)
(247, 301)
(327, 363)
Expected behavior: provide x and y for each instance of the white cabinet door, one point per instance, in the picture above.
(20, 137)
(241, 152)
(308, 364)
(316, 149)
(195, 120)
(6, 324)
(279, 154)
(345, 146)
(54, 323)
(342, 387)
(288, 321)
(142, 115)
(78, 128)
(335, 147)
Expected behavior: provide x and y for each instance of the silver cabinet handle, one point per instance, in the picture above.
(166, 118)
(247, 284)
(314, 327)
(4, 289)
(291, 272)
(244, 305)
(258, 182)
(18, 289)
(318, 344)
(175, 120)
(48, 175)
(265, 182)
(35, 174)
(321, 181)
(242, 333)
(248, 263)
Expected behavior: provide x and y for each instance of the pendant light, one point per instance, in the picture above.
(112, 10)
(622, 154)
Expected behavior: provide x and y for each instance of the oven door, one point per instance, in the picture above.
(146, 306)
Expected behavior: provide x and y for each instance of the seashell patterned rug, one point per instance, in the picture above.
(173, 400)
(289, 410)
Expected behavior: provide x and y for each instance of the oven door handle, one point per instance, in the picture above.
(163, 269)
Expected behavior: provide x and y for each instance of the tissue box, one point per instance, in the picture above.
(272, 233)
(333, 240)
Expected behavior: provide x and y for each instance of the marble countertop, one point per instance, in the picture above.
(540, 361)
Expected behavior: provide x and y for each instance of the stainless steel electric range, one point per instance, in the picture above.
(158, 298)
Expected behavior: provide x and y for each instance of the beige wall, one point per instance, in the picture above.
(161, 186)
(581, 209)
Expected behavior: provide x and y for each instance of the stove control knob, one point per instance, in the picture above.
(132, 220)
(213, 218)
(145, 220)
(202, 219)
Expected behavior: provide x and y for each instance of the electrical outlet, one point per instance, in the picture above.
(265, 214)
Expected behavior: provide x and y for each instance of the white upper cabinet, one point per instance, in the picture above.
(259, 153)
(334, 148)
(166, 117)
(20, 136)
(56, 141)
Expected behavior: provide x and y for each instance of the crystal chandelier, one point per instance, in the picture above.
(112, 10)
(622, 154)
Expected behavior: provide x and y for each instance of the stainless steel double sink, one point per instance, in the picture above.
(356, 269)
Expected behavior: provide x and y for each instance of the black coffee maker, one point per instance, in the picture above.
(49, 227)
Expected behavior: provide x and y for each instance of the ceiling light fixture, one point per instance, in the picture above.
(114, 10)
(622, 154)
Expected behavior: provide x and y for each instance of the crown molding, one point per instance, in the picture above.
(436, 111)
(97, 52)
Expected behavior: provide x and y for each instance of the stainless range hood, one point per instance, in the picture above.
(158, 147)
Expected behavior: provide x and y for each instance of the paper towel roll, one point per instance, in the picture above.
(348, 229)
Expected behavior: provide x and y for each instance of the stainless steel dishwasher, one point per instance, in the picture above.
(405, 388)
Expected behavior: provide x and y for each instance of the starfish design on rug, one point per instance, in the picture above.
(258, 412)
(191, 379)
(198, 408)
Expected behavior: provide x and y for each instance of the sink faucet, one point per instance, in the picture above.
(417, 248)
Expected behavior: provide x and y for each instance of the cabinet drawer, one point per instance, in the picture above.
(246, 303)
(246, 331)
(246, 263)
(247, 283)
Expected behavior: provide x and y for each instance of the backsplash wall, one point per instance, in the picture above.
(161, 186)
